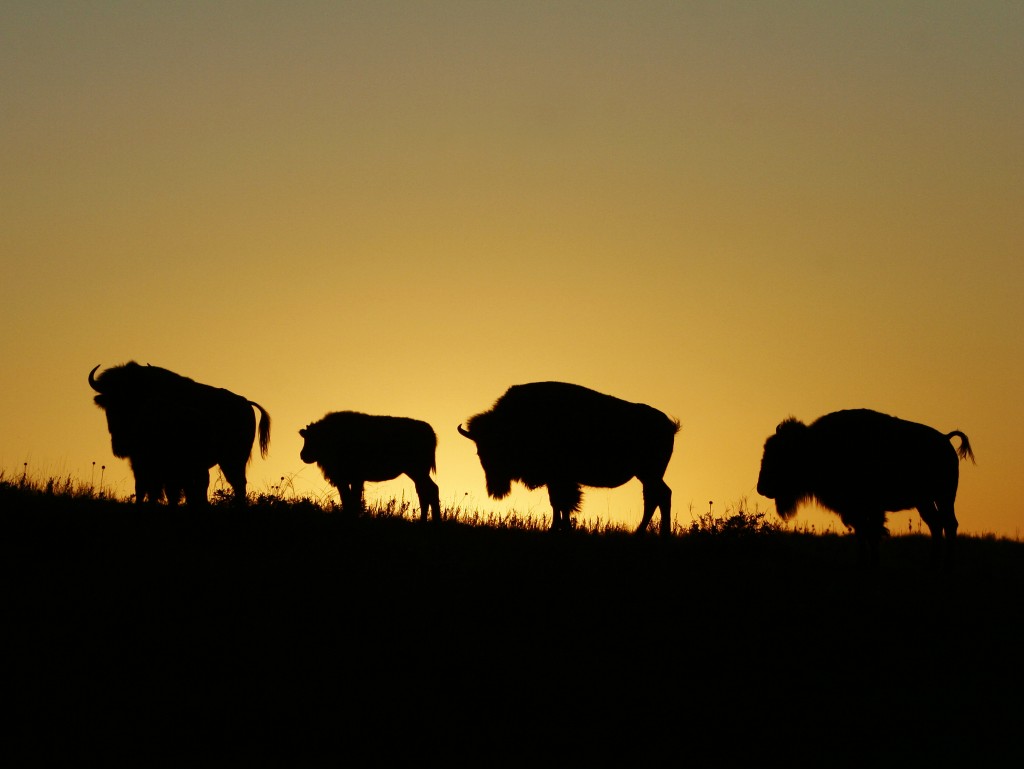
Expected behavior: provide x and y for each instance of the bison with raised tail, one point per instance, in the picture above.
(862, 464)
(172, 430)
(565, 436)
(352, 448)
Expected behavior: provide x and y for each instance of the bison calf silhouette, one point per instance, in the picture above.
(862, 464)
(565, 436)
(172, 430)
(352, 448)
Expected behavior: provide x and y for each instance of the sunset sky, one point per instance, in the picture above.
(734, 212)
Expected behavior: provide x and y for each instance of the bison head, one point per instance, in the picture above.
(119, 407)
(122, 381)
(490, 448)
(784, 466)
(104, 400)
(310, 444)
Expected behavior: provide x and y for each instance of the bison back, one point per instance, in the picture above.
(581, 431)
(865, 457)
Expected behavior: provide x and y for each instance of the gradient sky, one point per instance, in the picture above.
(735, 212)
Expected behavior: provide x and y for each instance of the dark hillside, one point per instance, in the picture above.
(280, 633)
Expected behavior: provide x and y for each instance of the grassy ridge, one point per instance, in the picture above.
(281, 632)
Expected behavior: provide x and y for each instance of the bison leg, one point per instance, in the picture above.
(949, 525)
(234, 474)
(351, 497)
(430, 498)
(565, 500)
(175, 484)
(196, 486)
(142, 491)
(173, 490)
(657, 495)
(868, 529)
(942, 524)
(148, 486)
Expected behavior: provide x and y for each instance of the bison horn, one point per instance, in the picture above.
(465, 432)
(92, 380)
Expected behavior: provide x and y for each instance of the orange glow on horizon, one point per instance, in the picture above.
(734, 215)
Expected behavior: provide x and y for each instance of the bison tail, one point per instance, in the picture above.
(965, 450)
(264, 429)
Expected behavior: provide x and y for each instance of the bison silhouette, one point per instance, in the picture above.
(565, 436)
(862, 464)
(352, 448)
(172, 430)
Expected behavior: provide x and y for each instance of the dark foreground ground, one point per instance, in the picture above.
(287, 636)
